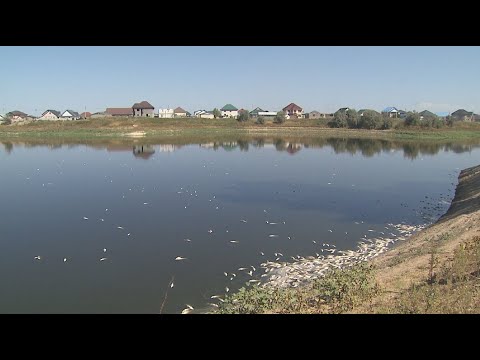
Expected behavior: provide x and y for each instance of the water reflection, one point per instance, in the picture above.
(143, 151)
(365, 147)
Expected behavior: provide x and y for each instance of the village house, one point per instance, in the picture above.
(50, 115)
(16, 116)
(361, 111)
(207, 115)
(390, 112)
(426, 114)
(143, 109)
(401, 114)
(254, 112)
(166, 113)
(293, 111)
(204, 114)
(101, 114)
(315, 115)
(70, 115)
(85, 115)
(197, 113)
(179, 112)
(267, 113)
(464, 115)
(229, 111)
(116, 112)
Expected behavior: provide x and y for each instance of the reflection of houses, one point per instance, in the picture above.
(143, 151)
(167, 148)
(50, 115)
(228, 145)
(292, 148)
(143, 109)
(289, 147)
(293, 111)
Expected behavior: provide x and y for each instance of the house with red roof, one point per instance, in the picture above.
(293, 111)
(118, 112)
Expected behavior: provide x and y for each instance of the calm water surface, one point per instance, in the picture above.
(108, 220)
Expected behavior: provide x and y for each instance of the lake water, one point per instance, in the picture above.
(108, 220)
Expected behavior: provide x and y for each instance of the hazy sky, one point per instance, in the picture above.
(438, 79)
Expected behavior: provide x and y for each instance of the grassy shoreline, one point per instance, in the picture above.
(169, 128)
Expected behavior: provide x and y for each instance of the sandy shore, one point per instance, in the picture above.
(408, 263)
(404, 263)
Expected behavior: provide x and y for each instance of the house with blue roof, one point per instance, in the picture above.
(390, 111)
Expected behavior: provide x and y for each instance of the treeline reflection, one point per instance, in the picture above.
(366, 147)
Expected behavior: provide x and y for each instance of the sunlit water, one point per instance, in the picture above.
(108, 221)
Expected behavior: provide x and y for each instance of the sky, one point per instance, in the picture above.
(322, 78)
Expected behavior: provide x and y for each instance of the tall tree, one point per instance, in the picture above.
(217, 113)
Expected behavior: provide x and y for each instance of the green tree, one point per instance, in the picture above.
(352, 118)
(6, 120)
(387, 123)
(279, 118)
(339, 120)
(449, 121)
(243, 115)
(260, 120)
(412, 119)
(217, 113)
(438, 123)
(371, 120)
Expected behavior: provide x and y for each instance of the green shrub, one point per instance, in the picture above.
(412, 119)
(279, 118)
(260, 120)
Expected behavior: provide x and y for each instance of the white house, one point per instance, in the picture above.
(207, 115)
(199, 112)
(293, 111)
(229, 111)
(70, 115)
(50, 115)
(390, 111)
(165, 113)
(179, 112)
(267, 113)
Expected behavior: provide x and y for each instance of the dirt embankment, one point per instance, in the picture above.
(410, 262)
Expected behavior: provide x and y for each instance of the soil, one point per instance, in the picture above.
(408, 263)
